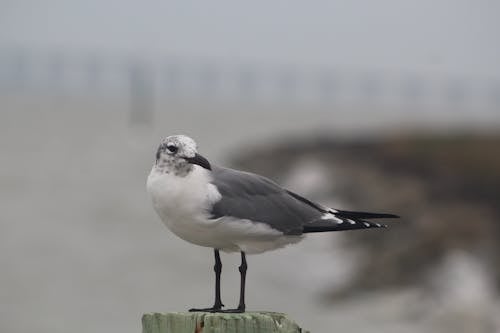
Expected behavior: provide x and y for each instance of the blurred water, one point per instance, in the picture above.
(81, 248)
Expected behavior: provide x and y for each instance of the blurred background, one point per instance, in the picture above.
(390, 106)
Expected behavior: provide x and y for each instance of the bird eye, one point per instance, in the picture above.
(172, 148)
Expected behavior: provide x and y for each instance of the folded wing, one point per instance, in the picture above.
(255, 198)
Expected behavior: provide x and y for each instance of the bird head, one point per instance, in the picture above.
(178, 154)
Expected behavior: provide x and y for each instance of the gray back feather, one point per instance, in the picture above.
(253, 197)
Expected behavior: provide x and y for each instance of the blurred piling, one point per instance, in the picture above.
(198, 322)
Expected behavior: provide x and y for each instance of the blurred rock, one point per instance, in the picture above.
(445, 188)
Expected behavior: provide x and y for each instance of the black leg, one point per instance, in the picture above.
(218, 303)
(243, 274)
(218, 270)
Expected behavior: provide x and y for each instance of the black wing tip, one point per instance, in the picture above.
(364, 215)
(392, 216)
(388, 216)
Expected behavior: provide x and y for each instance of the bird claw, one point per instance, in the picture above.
(218, 309)
(213, 309)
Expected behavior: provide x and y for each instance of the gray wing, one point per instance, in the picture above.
(253, 197)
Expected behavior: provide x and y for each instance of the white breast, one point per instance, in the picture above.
(183, 202)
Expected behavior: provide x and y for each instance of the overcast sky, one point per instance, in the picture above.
(451, 36)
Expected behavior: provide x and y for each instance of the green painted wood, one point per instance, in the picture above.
(203, 322)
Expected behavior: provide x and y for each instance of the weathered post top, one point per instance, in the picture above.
(204, 322)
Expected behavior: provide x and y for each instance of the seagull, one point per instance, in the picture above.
(235, 211)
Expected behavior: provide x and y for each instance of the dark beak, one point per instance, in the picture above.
(199, 160)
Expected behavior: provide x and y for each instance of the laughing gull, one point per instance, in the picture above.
(235, 211)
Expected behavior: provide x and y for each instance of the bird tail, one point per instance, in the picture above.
(339, 220)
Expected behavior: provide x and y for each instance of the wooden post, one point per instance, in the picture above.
(203, 322)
